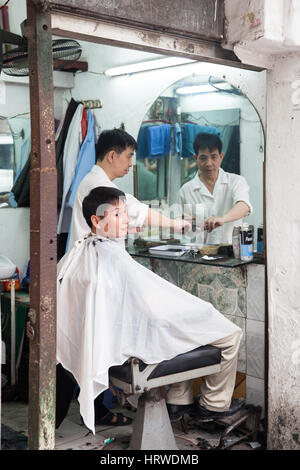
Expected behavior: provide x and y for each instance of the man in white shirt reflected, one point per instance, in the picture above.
(222, 197)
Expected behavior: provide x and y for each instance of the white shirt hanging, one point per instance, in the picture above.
(70, 157)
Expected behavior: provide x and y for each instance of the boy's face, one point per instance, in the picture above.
(209, 161)
(111, 220)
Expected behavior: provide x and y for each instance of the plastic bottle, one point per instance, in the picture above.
(236, 241)
(7, 284)
(260, 239)
(246, 237)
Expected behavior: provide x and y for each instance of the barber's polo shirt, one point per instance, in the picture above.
(194, 198)
(137, 211)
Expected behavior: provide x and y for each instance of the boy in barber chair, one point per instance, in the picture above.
(111, 308)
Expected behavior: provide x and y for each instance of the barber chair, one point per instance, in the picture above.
(152, 427)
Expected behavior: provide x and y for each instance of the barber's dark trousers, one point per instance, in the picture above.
(65, 388)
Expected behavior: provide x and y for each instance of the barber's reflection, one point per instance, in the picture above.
(222, 198)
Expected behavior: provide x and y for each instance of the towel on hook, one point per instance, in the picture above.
(159, 140)
(142, 143)
(177, 139)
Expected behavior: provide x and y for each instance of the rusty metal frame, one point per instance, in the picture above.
(43, 179)
(43, 223)
(93, 26)
(199, 19)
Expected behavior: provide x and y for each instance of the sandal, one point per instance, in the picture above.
(107, 420)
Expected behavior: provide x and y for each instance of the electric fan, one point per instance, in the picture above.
(15, 61)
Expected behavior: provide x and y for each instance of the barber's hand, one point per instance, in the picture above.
(181, 226)
(134, 229)
(213, 222)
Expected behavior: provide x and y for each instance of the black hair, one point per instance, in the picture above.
(97, 197)
(204, 141)
(113, 139)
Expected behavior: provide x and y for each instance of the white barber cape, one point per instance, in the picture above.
(110, 308)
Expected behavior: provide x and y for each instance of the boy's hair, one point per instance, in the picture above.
(204, 140)
(114, 139)
(97, 197)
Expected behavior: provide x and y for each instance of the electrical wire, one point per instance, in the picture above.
(4, 4)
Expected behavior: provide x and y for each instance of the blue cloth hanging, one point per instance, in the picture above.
(188, 136)
(142, 143)
(177, 139)
(86, 158)
(159, 140)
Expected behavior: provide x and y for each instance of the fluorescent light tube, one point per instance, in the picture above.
(148, 65)
(205, 88)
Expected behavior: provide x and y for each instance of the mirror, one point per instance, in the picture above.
(198, 103)
(14, 151)
(6, 160)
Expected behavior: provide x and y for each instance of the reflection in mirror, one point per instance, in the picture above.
(15, 149)
(165, 155)
(6, 161)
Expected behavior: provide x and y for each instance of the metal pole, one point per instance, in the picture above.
(43, 222)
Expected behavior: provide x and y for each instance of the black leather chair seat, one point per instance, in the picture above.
(200, 357)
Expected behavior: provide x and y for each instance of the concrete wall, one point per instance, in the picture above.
(283, 241)
(271, 39)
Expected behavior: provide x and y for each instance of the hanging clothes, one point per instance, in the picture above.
(86, 158)
(159, 140)
(25, 153)
(142, 143)
(70, 158)
(59, 149)
(154, 141)
(21, 187)
(84, 124)
(86, 161)
(177, 139)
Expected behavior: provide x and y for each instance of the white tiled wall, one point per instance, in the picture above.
(255, 334)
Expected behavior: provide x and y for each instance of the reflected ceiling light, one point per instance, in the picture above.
(205, 88)
(148, 65)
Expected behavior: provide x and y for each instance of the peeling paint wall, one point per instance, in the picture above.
(283, 229)
(267, 26)
(274, 43)
(244, 20)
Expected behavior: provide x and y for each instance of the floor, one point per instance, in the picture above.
(73, 435)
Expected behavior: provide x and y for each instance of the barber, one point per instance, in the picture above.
(115, 150)
(222, 196)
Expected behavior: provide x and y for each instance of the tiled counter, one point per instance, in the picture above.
(236, 289)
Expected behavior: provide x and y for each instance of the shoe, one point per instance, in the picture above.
(107, 420)
(176, 412)
(205, 415)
